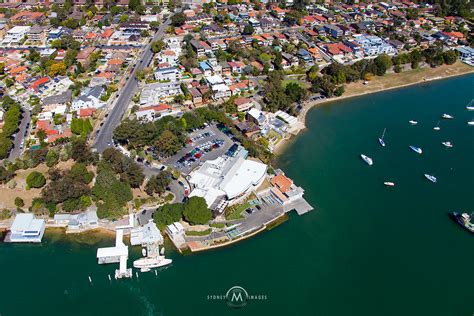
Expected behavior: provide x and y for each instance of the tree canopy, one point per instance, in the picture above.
(196, 211)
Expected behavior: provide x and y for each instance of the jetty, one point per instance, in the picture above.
(117, 254)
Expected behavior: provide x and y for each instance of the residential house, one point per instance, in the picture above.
(89, 98)
(167, 74)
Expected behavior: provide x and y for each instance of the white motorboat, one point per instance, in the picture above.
(367, 159)
(389, 184)
(447, 116)
(470, 123)
(381, 141)
(412, 122)
(447, 144)
(149, 263)
(431, 178)
(437, 128)
(470, 106)
(418, 150)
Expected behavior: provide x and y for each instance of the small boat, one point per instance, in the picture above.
(367, 159)
(470, 106)
(431, 178)
(381, 141)
(447, 116)
(143, 252)
(464, 220)
(447, 144)
(437, 128)
(470, 123)
(389, 184)
(412, 122)
(145, 270)
(418, 150)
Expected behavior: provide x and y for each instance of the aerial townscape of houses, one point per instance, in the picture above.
(243, 69)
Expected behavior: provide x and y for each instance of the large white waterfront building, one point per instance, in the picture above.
(26, 228)
(226, 178)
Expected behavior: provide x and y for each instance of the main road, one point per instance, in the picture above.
(103, 139)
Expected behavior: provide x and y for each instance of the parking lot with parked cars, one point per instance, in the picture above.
(204, 144)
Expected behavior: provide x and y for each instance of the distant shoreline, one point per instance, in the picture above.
(381, 84)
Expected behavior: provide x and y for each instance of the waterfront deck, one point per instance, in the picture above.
(301, 206)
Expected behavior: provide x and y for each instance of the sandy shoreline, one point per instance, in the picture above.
(382, 84)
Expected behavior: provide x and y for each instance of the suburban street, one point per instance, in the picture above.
(104, 137)
(20, 135)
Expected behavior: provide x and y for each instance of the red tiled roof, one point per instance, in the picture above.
(39, 82)
(87, 112)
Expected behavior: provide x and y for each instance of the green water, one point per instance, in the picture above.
(365, 250)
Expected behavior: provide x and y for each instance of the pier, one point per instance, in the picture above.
(117, 254)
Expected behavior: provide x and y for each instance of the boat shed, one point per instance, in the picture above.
(26, 228)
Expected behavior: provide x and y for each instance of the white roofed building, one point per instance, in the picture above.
(226, 178)
(26, 228)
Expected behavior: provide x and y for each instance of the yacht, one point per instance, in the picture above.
(464, 220)
(418, 150)
(367, 159)
(145, 264)
(431, 178)
(412, 122)
(381, 141)
(437, 128)
(447, 144)
(389, 184)
(447, 116)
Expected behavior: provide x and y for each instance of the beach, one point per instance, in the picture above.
(380, 84)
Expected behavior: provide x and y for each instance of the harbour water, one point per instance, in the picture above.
(364, 250)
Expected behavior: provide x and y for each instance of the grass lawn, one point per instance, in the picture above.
(198, 233)
(234, 211)
(287, 81)
(217, 225)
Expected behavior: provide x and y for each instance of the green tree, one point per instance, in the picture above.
(178, 19)
(383, 63)
(35, 180)
(450, 57)
(158, 183)
(196, 211)
(157, 46)
(19, 202)
(52, 158)
(248, 29)
(168, 143)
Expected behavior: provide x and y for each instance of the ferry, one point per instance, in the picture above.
(389, 184)
(418, 150)
(464, 220)
(447, 116)
(431, 178)
(447, 144)
(145, 264)
(381, 141)
(412, 122)
(367, 159)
